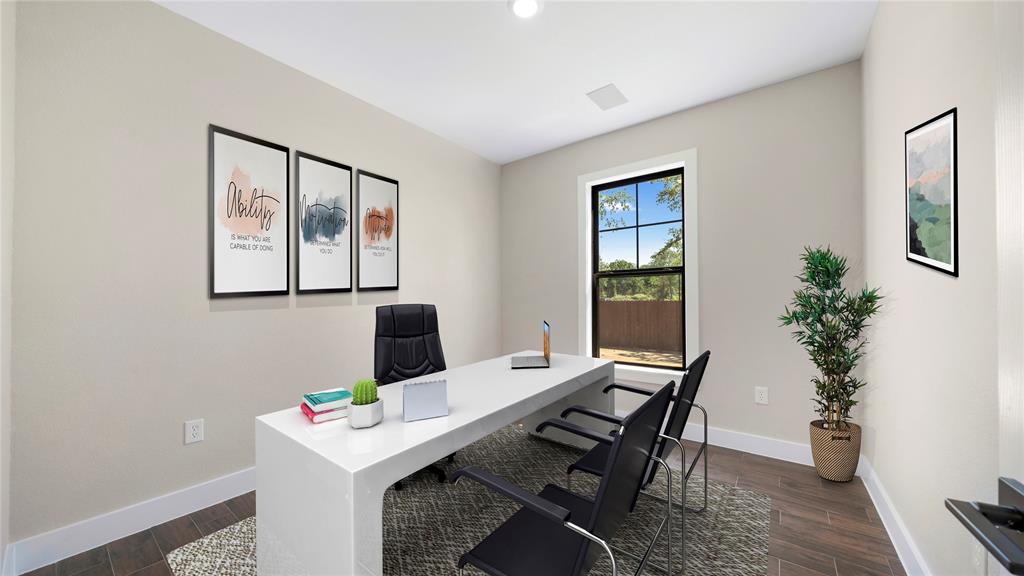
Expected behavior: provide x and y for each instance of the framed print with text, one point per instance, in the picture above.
(324, 197)
(931, 194)
(248, 215)
(378, 232)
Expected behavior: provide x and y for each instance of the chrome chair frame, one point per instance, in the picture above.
(702, 451)
(631, 448)
(582, 532)
(667, 521)
(567, 426)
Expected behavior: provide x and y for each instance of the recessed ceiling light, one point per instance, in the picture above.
(524, 8)
(608, 97)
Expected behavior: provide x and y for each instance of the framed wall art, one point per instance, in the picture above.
(378, 232)
(931, 194)
(324, 197)
(248, 215)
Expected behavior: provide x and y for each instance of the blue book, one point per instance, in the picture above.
(328, 399)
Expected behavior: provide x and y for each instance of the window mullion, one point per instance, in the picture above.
(636, 220)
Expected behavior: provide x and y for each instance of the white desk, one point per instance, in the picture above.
(320, 488)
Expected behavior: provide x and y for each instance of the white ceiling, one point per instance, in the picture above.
(508, 88)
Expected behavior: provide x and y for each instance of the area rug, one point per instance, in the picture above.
(428, 525)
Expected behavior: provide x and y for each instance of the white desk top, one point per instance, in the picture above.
(475, 393)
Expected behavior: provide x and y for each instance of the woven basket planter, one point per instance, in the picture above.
(836, 452)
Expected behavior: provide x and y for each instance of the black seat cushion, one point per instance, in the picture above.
(593, 462)
(531, 545)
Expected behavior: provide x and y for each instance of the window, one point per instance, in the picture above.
(637, 273)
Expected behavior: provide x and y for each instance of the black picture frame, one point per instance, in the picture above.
(212, 131)
(299, 155)
(954, 268)
(359, 252)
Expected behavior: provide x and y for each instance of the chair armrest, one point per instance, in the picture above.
(634, 389)
(628, 388)
(574, 429)
(531, 501)
(592, 413)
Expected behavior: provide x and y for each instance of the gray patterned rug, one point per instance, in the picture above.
(428, 525)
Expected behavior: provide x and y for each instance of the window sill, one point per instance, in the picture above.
(645, 375)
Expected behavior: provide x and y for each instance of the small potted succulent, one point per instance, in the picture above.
(367, 409)
(829, 322)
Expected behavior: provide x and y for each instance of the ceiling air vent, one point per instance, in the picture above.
(607, 97)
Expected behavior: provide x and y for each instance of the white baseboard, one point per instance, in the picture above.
(911, 557)
(752, 443)
(38, 551)
(8, 561)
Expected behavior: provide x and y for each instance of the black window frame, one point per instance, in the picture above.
(596, 274)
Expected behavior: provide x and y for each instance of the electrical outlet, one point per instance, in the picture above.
(193, 431)
(760, 395)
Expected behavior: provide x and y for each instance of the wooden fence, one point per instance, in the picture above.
(654, 325)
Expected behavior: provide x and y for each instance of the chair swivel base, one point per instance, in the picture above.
(434, 469)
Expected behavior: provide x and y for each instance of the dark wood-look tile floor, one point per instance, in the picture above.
(144, 553)
(817, 527)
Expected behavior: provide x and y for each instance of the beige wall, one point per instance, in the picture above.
(931, 409)
(1009, 160)
(780, 168)
(115, 340)
(7, 77)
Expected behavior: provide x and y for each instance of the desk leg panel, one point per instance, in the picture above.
(304, 511)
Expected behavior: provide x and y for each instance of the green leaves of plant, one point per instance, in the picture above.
(829, 323)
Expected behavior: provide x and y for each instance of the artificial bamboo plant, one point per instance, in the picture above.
(829, 322)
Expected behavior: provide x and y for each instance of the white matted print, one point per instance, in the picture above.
(378, 232)
(931, 194)
(248, 216)
(324, 196)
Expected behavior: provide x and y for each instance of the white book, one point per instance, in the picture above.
(325, 400)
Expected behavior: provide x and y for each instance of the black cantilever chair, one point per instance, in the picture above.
(593, 461)
(407, 344)
(558, 532)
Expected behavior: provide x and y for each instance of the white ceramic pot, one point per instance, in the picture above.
(366, 415)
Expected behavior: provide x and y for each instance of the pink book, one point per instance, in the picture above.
(318, 417)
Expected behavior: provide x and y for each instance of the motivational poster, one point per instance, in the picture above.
(378, 232)
(248, 217)
(324, 199)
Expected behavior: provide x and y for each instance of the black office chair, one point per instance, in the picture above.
(407, 344)
(558, 532)
(593, 462)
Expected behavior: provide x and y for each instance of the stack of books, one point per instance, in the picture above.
(326, 405)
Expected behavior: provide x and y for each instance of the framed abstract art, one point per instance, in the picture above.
(931, 194)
